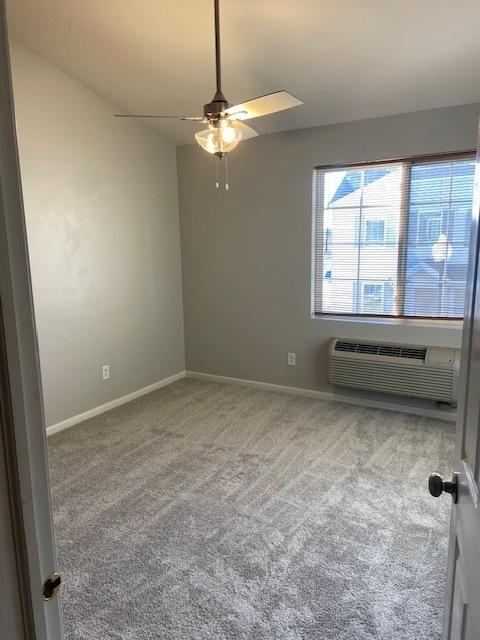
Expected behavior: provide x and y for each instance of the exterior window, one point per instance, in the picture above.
(429, 228)
(374, 231)
(391, 238)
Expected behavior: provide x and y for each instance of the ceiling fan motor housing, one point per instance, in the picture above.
(216, 106)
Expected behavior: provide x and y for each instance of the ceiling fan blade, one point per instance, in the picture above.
(263, 105)
(247, 132)
(137, 115)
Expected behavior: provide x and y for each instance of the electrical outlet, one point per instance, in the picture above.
(106, 371)
(291, 359)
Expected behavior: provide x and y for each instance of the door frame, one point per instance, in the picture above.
(17, 617)
(28, 549)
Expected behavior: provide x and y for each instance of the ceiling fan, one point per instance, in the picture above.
(225, 121)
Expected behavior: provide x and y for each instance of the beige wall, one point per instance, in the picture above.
(102, 218)
(247, 252)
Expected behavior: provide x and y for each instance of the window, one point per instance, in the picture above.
(429, 227)
(374, 231)
(391, 238)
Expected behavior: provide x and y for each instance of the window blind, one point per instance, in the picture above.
(392, 238)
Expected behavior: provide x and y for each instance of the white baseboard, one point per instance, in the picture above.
(91, 413)
(448, 414)
(365, 401)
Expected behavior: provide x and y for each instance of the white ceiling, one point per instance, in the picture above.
(346, 59)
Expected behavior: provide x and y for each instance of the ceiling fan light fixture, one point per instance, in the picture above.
(225, 126)
(219, 138)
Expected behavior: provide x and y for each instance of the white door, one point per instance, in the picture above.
(462, 615)
(24, 447)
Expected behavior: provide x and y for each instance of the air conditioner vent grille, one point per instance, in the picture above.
(370, 348)
(385, 350)
(346, 346)
(417, 354)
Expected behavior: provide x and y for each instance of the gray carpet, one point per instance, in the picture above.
(213, 511)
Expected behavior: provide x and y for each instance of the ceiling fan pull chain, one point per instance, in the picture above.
(217, 182)
(227, 186)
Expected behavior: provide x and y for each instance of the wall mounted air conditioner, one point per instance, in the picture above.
(403, 369)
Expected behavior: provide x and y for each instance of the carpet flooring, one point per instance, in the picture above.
(213, 511)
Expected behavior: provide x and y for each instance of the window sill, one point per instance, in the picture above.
(453, 325)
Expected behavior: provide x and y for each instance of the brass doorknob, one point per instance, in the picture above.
(437, 485)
